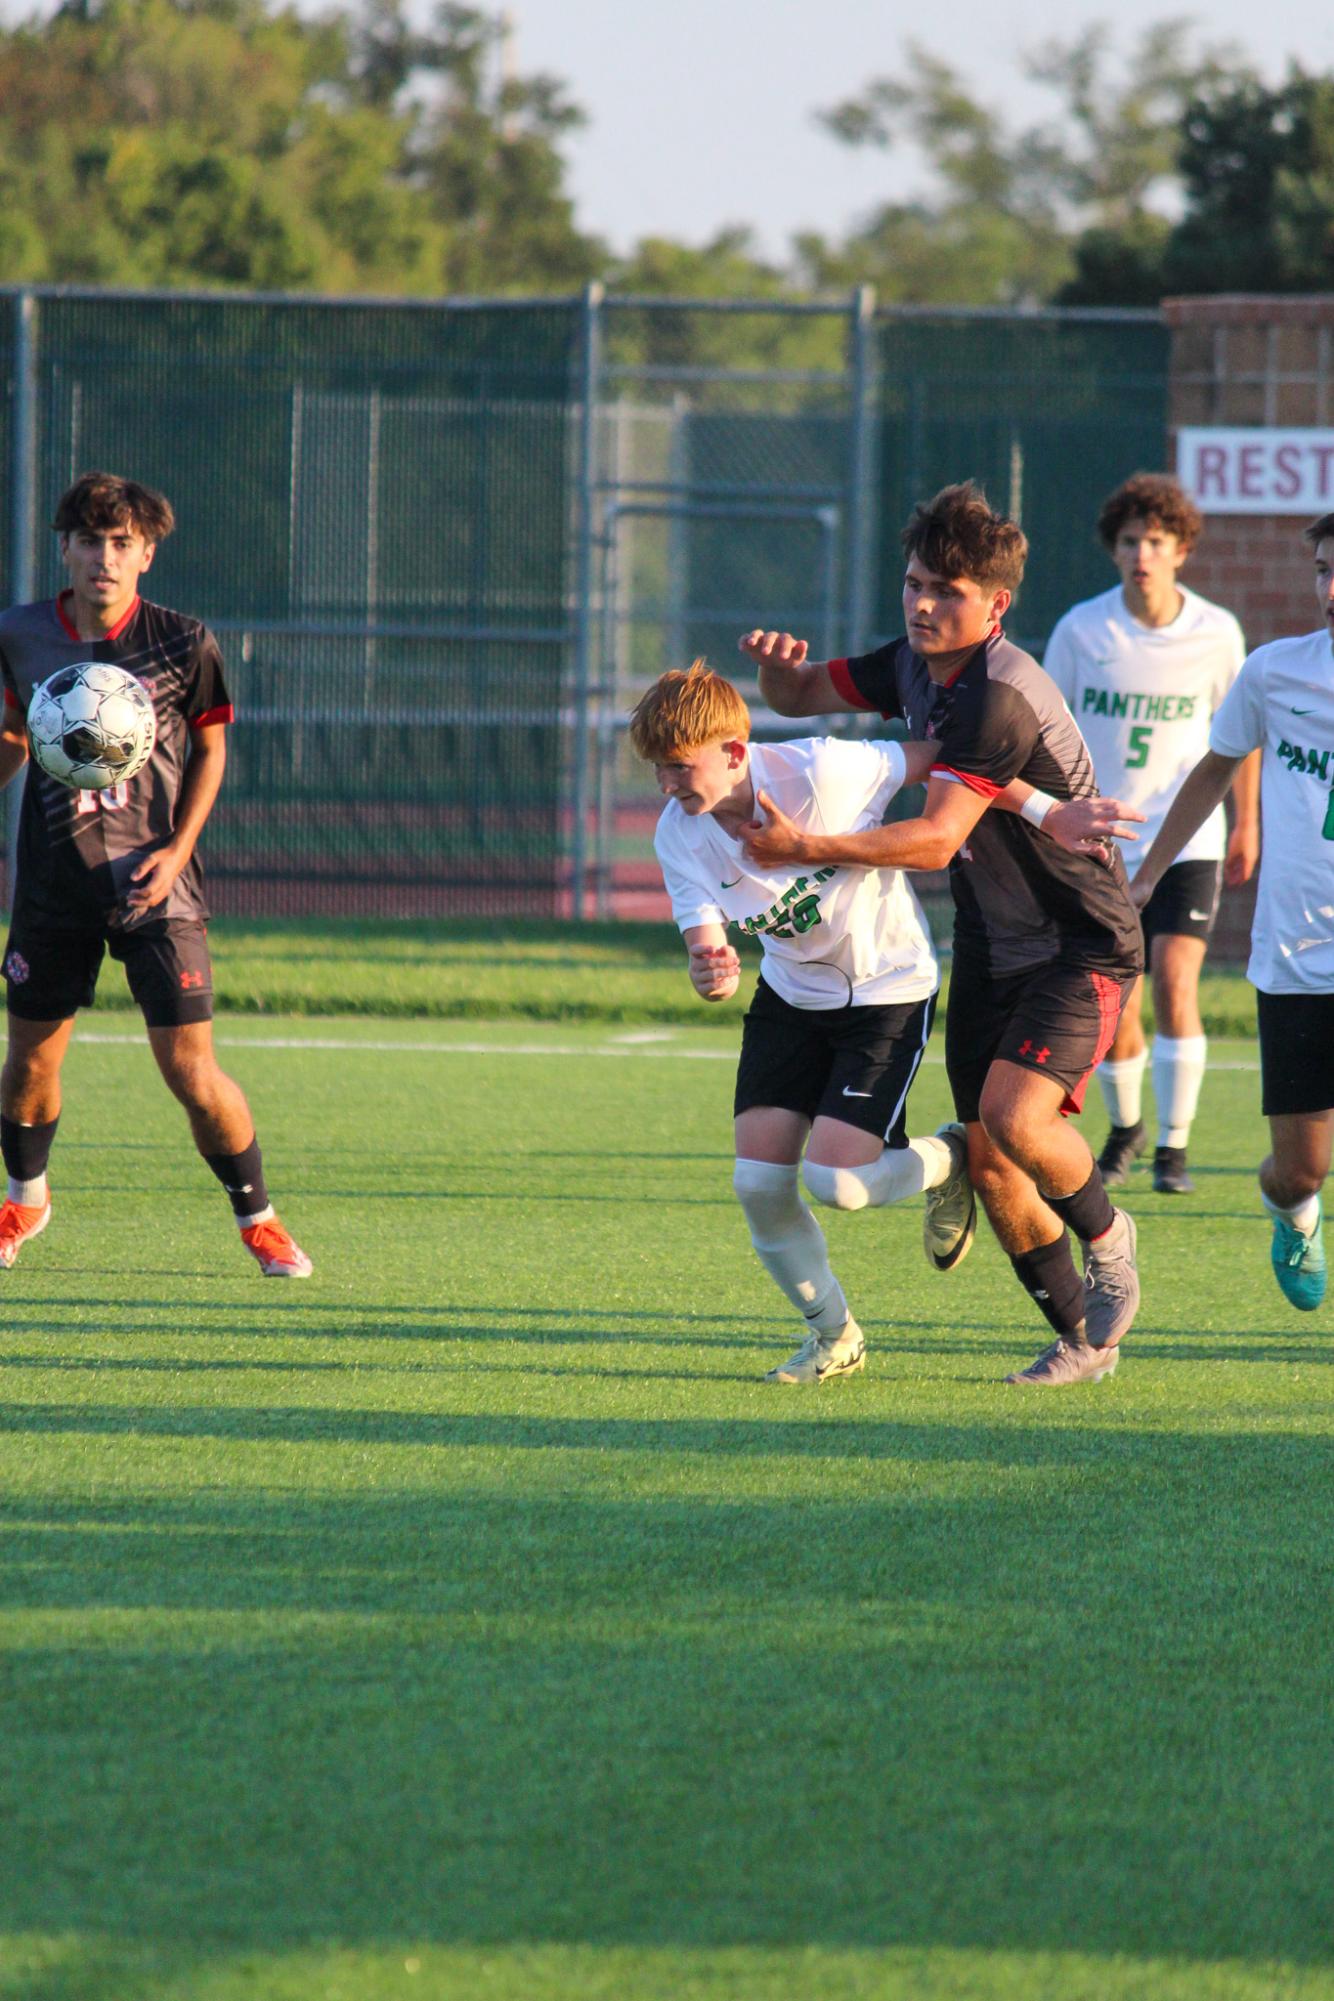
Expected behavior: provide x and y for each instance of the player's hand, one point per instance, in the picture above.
(1243, 852)
(773, 649)
(715, 971)
(1141, 889)
(771, 837)
(1088, 826)
(154, 877)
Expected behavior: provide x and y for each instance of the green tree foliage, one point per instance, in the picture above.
(1069, 208)
(225, 142)
(1258, 167)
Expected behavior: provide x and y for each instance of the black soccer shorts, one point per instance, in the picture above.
(856, 1064)
(1057, 1019)
(1296, 1053)
(50, 974)
(1185, 902)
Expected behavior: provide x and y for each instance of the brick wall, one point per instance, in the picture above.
(1252, 361)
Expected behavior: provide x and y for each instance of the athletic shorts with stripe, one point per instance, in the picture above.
(1185, 902)
(1057, 1019)
(50, 974)
(856, 1064)
(1296, 1053)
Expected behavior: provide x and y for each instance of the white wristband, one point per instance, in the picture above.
(1036, 808)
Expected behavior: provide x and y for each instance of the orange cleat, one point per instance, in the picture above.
(18, 1222)
(274, 1250)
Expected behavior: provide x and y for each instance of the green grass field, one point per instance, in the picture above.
(471, 1621)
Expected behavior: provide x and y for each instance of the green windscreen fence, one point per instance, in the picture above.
(374, 507)
(1049, 414)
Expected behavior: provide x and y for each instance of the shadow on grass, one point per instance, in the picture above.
(950, 1714)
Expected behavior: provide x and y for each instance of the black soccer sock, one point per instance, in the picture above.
(1049, 1277)
(1088, 1212)
(242, 1175)
(26, 1149)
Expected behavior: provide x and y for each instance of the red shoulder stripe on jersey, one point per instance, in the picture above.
(983, 786)
(11, 700)
(846, 686)
(72, 630)
(224, 714)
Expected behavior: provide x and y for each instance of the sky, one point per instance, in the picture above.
(701, 112)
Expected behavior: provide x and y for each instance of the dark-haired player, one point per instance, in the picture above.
(1143, 668)
(117, 870)
(1046, 943)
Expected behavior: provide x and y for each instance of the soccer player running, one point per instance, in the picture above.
(844, 1002)
(1046, 942)
(1143, 667)
(1282, 704)
(117, 870)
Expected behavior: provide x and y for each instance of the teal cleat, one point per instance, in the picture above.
(1299, 1264)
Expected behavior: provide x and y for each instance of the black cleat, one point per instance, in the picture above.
(1120, 1150)
(1169, 1172)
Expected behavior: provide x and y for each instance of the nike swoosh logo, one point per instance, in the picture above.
(730, 885)
(856, 1094)
(1200, 916)
(1303, 712)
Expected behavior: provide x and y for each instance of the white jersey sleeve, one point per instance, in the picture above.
(1238, 726)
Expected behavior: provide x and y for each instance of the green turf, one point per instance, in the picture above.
(470, 1621)
(515, 970)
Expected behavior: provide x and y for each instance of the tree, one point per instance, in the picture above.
(1258, 168)
(1021, 216)
(224, 142)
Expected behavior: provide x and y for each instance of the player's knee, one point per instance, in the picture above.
(836, 1187)
(767, 1191)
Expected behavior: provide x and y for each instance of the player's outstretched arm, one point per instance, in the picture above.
(928, 842)
(790, 684)
(1080, 826)
(1243, 843)
(1203, 788)
(13, 752)
(715, 968)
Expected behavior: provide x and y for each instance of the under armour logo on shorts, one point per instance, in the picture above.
(17, 968)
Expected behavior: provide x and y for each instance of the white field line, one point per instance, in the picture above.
(620, 1049)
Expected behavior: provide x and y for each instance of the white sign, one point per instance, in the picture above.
(1257, 472)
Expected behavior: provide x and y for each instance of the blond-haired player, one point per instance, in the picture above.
(844, 1002)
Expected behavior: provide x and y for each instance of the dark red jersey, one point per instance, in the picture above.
(77, 850)
(1020, 900)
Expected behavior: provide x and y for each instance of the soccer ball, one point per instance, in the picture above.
(91, 725)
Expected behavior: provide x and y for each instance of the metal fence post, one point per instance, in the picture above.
(857, 593)
(585, 625)
(22, 491)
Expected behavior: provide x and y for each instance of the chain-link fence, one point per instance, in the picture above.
(446, 546)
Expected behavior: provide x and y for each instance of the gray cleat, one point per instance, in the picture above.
(1113, 1283)
(950, 1222)
(822, 1356)
(1067, 1362)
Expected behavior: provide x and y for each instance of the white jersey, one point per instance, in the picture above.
(1143, 697)
(1282, 703)
(830, 936)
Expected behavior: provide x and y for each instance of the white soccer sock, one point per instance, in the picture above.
(32, 1194)
(789, 1243)
(1123, 1088)
(1303, 1215)
(900, 1171)
(1178, 1072)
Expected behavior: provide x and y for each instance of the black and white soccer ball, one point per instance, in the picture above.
(91, 726)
